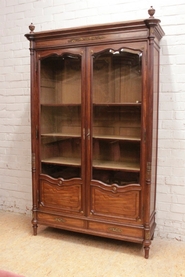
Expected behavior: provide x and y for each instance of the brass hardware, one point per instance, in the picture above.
(83, 133)
(82, 212)
(147, 235)
(60, 183)
(148, 166)
(148, 173)
(114, 189)
(91, 212)
(88, 134)
(59, 219)
(85, 38)
(115, 229)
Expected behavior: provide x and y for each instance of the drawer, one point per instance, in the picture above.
(117, 230)
(59, 221)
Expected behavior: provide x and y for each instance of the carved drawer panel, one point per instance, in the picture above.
(57, 221)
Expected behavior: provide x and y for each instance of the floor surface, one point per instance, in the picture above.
(57, 253)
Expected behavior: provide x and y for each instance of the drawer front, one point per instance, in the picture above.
(117, 230)
(59, 221)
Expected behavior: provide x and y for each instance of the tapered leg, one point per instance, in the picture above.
(147, 242)
(147, 249)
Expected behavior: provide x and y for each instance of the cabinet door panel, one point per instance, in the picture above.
(116, 115)
(115, 202)
(60, 196)
(117, 76)
(60, 116)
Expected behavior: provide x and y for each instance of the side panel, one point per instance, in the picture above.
(154, 130)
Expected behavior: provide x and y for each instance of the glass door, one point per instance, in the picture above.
(116, 116)
(60, 116)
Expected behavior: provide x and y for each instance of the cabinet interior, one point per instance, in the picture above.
(116, 116)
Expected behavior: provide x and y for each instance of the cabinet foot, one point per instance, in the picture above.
(147, 249)
(35, 230)
(34, 225)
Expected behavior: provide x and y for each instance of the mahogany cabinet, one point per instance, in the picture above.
(94, 118)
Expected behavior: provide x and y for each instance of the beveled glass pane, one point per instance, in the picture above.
(60, 116)
(61, 80)
(117, 84)
(117, 76)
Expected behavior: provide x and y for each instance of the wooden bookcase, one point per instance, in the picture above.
(94, 114)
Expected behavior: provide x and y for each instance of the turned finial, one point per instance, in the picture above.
(32, 28)
(151, 12)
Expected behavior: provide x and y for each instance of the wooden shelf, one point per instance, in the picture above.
(106, 137)
(63, 161)
(61, 135)
(60, 105)
(129, 104)
(102, 164)
(116, 138)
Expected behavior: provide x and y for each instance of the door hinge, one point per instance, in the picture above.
(148, 167)
(36, 66)
(142, 212)
(84, 133)
(38, 200)
(146, 60)
(88, 134)
(33, 161)
(36, 132)
(144, 136)
(140, 217)
(148, 173)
